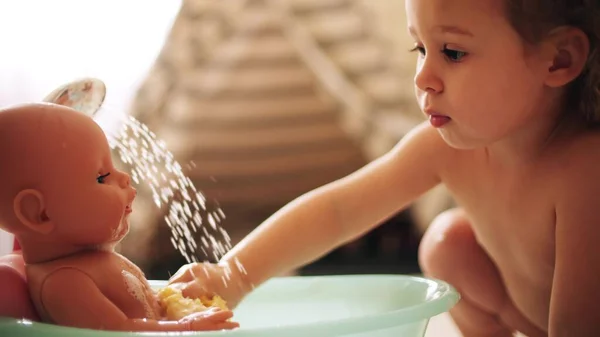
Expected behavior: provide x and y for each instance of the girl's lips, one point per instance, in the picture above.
(437, 121)
(127, 209)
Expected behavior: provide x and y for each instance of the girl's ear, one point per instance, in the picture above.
(568, 52)
(85, 95)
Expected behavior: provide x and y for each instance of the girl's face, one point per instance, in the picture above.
(475, 80)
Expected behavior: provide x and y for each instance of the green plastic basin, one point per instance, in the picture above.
(354, 306)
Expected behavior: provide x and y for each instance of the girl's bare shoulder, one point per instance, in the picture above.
(574, 164)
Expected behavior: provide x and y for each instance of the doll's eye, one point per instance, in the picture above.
(101, 178)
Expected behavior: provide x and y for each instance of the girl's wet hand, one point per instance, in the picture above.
(205, 279)
(211, 319)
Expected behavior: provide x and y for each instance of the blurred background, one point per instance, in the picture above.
(259, 100)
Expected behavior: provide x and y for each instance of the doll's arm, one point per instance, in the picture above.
(71, 298)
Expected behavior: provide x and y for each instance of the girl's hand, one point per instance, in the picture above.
(206, 279)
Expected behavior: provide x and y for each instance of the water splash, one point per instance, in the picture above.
(153, 165)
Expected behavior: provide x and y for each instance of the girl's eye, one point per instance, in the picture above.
(453, 55)
(101, 178)
(421, 50)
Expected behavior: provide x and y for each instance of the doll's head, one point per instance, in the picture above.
(60, 192)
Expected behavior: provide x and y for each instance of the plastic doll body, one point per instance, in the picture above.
(103, 277)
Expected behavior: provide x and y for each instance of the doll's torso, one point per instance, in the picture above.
(118, 279)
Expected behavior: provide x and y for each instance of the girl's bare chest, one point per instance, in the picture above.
(513, 218)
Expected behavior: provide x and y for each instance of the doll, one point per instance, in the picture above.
(68, 206)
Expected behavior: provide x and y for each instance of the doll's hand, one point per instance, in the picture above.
(205, 279)
(14, 293)
(211, 319)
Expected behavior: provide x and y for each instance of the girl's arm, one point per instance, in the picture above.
(575, 296)
(325, 218)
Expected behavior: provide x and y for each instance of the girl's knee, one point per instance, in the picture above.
(449, 251)
(445, 243)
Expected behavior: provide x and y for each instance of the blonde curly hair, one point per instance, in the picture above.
(533, 19)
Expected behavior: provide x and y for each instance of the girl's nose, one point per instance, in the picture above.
(426, 77)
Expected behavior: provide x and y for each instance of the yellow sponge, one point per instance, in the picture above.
(175, 306)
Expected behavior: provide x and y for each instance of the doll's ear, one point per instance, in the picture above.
(85, 95)
(29, 208)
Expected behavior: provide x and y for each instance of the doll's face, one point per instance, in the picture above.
(86, 198)
(59, 183)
